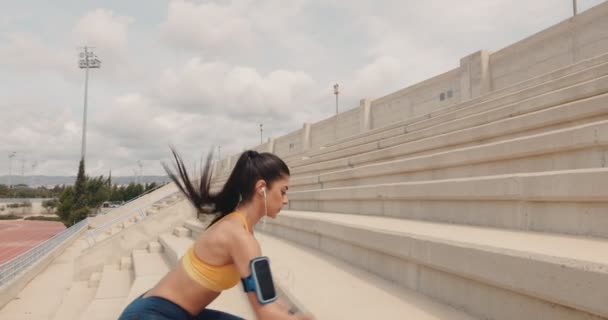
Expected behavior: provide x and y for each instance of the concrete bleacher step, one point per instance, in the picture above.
(114, 287)
(490, 273)
(577, 147)
(149, 264)
(126, 263)
(75, 301)
(174, 247)
(148, 269)
(94, 280)
(181, 232)
(196, 227)
(332, 289)
(568, 201)
(155, 246)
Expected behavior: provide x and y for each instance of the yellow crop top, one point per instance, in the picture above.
(214, 278)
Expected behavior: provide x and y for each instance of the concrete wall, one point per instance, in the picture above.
(571, 41)
(418, 99)
(337, 127)
(265, 147)
(290, 143)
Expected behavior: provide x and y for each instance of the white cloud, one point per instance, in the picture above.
(25, 52)
(216, 87)
(209, 28)
(104, 29)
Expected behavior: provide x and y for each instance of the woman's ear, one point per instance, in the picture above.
(261, 187)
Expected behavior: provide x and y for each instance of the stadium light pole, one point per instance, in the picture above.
(34, 165)
(336, 92)
(88, 60)
(141, 170)
(261, 133)
(10, 169)
(574, 8)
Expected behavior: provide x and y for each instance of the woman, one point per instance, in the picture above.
(221, 256)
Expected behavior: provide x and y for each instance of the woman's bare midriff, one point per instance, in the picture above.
(178, 288)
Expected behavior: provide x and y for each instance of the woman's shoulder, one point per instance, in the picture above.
(229, 228)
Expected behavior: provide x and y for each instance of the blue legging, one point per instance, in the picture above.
(157, 308)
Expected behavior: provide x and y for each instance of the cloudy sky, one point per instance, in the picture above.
(202, 73)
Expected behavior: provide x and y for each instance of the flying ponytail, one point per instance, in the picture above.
(249, 168)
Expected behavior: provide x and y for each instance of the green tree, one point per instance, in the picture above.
(49, 205)
(116, 194)
(80, 187)
(73, 201)
(97, 192)
(65, 205)
(151, 186)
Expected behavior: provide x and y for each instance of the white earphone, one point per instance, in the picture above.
(265, 204)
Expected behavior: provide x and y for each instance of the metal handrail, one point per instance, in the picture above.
(91, 234)
(10, 269)
(139, 196)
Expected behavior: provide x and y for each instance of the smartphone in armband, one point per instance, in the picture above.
(260, 280)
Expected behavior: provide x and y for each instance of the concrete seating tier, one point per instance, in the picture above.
(576, 147)
(489, 273)
(569, 202)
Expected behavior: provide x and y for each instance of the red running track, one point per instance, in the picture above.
(18, 236)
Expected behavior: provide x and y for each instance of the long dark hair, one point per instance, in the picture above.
(251, 167)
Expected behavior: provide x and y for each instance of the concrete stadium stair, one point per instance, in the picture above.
(489, 273)
(148, 269)
(569, 202)
(577, 147)
(75, 301)
(114, 286)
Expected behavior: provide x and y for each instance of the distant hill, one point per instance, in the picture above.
(69, 180)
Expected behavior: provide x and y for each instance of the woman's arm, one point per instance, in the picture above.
(243, 249)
